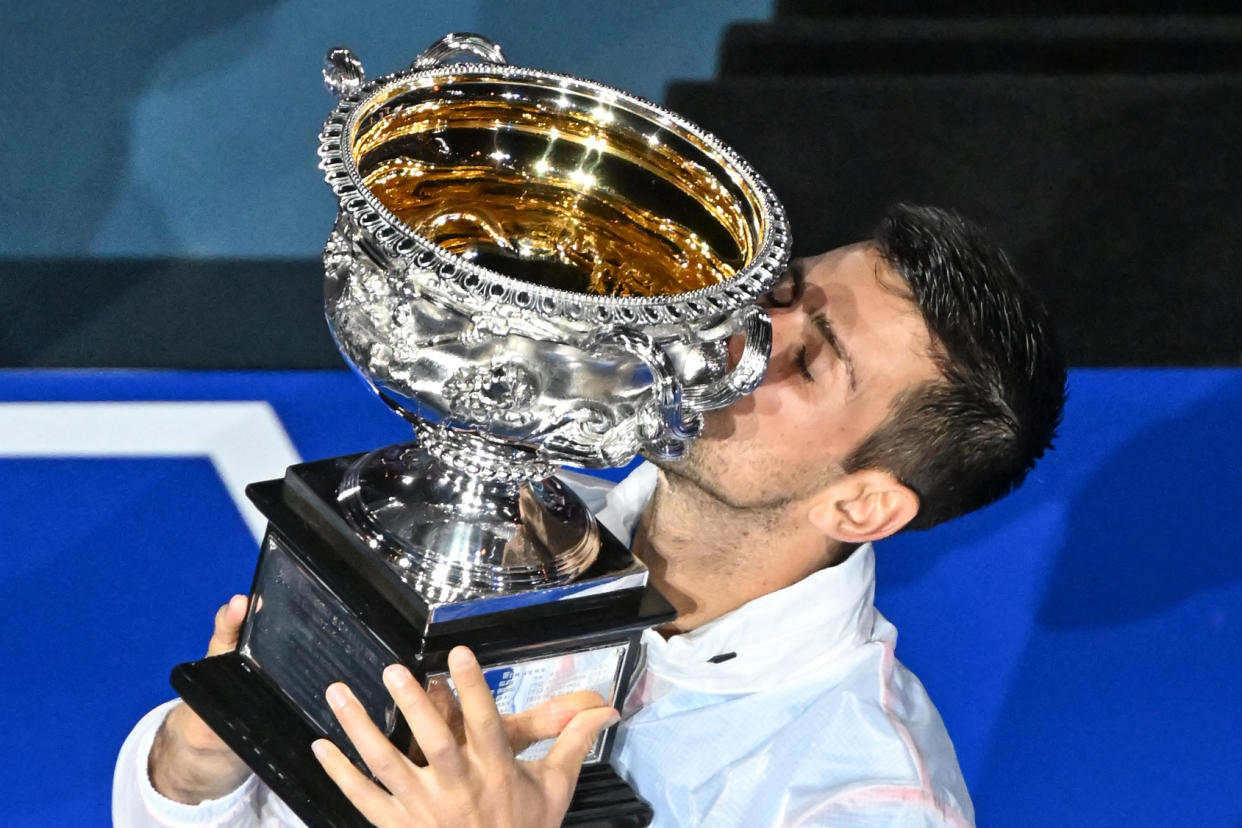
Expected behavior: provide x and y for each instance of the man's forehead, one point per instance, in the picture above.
(856, 288)
(830, 257)
(854, 265)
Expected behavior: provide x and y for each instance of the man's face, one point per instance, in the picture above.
(843, 347)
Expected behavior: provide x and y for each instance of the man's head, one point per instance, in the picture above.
(913, 378)
(971, 436)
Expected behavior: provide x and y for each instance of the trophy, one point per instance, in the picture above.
(533, 269)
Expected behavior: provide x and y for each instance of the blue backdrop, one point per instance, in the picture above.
(1082, 639)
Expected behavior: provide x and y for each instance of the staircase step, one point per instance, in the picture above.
(1008, 8)
(1050, 45)
(1117, 195)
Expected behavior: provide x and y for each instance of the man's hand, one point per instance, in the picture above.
(189, 763)
(545, 720)
(477, 782)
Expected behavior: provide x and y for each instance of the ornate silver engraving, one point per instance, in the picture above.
(342, 72)
(498, 393)
(505, 378)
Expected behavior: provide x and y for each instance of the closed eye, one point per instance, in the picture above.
(803, 366)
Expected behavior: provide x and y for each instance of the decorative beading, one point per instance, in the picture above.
(398, 242)
(479, 457)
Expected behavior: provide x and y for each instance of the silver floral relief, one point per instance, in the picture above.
(607, 434)
(533, 269)
(496, 394)
(567, 374)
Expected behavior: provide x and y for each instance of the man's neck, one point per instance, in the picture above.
(708, 558)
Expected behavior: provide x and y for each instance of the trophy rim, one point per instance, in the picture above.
(403, 244)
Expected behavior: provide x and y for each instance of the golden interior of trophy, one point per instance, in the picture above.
(557, 184)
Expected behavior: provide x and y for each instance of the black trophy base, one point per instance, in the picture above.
(257, 722)
(325, 607)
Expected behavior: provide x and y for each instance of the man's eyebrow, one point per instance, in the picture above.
(820, 320)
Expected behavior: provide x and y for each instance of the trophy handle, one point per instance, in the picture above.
(342, 72)
(456, 42)
(667, 426)
(747, 374)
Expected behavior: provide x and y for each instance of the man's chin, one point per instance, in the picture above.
(690, 467)
(676, 467)
(691, 472)
(692, 459)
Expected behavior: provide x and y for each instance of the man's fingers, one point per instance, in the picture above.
(229, 620)
(183, 723)
(485, 732)
(445, 702)
(374, 803)
(435, 739)
(389, 765)
(575, 742)
(547, 719)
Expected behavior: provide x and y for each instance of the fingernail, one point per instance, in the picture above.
(338, 696)
(319, 747)
(396, 675)
(613, 718)
(463, 657)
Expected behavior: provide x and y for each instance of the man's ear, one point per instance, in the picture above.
(864, 506)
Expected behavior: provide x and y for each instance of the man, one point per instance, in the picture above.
(913, 378)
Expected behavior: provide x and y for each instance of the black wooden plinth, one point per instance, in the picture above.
(325, 607)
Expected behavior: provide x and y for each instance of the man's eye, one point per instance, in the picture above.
(803, 366)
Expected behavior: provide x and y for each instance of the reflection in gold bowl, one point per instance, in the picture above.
(545, 183)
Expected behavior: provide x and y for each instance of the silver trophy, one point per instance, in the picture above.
(533, 269)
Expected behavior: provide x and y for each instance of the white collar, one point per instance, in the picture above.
(782, 636)
(624, 502)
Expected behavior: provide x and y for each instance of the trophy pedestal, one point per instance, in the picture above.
(325, 606)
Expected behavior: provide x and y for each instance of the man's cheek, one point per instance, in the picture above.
(719, 424)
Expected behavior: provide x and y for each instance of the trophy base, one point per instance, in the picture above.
(255, 720)
(326, 607)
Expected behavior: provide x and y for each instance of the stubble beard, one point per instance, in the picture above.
(720, 468)
(705, 465)
(709, 472)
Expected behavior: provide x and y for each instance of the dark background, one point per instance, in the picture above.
(162, 205)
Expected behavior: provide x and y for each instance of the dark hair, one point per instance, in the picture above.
(971, 436)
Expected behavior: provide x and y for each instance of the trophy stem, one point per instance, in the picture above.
(482, 457)
(453, 533)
